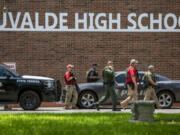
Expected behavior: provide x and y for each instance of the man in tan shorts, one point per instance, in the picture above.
(70, 88)
(150, 80)
(131, 81)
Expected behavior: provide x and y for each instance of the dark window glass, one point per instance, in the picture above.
(141, 76)
(120, 78)
(3, 72)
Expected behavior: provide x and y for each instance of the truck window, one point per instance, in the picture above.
(3, 71)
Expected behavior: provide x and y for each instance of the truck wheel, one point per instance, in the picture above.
(166, 99)
(29, 100)
(87, 99)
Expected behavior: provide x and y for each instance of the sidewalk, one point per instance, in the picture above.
(56, 104)
(61, 110)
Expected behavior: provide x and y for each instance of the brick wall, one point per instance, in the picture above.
(48, 53)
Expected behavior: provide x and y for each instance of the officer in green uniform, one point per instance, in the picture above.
(150, 83)
(108, 80)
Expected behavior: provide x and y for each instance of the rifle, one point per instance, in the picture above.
(76, 85)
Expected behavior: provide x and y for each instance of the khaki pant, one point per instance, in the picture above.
(150, 93)
(71, 91)
(132, 96)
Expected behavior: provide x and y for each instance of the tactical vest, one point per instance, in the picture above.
(128, 76)
(108, 78)
(146, 81)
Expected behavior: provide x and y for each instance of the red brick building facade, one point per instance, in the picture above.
(46, 53)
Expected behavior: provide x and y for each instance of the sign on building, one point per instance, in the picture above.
(11, 65)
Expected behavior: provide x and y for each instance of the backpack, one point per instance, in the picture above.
(88, 73)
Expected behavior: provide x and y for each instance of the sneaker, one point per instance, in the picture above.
(96, 106)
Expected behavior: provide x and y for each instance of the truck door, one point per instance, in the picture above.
(8, 90)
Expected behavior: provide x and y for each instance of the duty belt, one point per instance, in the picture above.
(131, 84)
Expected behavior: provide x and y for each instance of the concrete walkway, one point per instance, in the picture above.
(61, 110)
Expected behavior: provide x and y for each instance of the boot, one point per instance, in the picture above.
(67, 107)
(74, 107)
(97, 106)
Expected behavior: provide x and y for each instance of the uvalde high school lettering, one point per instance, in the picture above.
(89, 22)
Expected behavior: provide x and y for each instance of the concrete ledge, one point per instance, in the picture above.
(142, 110)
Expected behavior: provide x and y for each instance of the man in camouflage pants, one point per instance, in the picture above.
(109, 82)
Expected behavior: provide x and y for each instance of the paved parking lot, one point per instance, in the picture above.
(61, 110)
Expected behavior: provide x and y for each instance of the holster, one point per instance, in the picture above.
(131, 84)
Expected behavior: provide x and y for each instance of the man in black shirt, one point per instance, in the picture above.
(92, 74)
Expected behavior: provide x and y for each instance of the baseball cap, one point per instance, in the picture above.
(70, 66)
(110, 62)
(133, 61)
(151, 67)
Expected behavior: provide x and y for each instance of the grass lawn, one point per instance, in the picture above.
(87, 124)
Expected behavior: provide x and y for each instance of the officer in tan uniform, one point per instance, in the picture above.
(150, 82)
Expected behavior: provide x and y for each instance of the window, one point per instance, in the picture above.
(120, 78)
(3, 72)
(161, 78)
(141, 76)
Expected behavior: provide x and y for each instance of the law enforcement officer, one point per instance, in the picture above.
(70, 88)
(108, 80)
(131, 82)
(150, 82)
(92, 74)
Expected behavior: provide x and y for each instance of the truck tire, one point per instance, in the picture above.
(29, 100)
